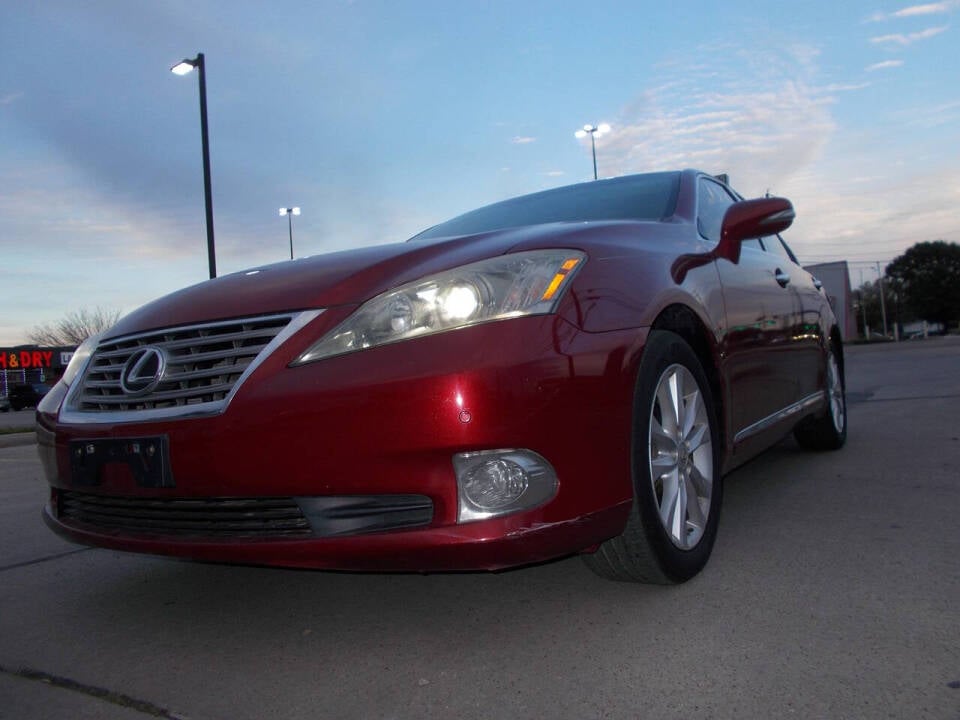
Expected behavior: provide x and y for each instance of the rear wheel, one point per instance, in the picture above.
(829, 431)
(676, 471)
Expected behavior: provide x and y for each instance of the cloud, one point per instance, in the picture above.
(522, 140)
(928, 9)
(763, 122)
(909, 38)
(846, 88)
(886, 214)
(772, 125)
(926, 117)
(884, 65)
(937, 8)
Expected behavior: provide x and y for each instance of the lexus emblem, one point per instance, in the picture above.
(143, 371)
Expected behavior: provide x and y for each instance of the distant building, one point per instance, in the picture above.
(921, 328)
(32, 364)
(835, 277)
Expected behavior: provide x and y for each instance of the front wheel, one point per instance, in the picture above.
(676, 471)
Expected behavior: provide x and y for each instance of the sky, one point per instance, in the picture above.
(380, 118)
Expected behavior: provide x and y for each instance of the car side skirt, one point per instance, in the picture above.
(800, 407)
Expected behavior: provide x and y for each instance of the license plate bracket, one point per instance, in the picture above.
(147, 457)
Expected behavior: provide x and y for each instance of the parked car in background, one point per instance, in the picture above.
(571, 371)
(4, 403)
(25, 395)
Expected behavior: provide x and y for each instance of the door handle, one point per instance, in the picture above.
(781, 277)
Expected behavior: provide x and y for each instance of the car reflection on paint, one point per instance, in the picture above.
(571, 371)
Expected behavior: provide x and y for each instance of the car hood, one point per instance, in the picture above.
(344, 278)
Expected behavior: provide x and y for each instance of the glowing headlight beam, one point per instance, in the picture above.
(460, 302)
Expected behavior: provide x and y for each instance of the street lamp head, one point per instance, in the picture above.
(593, 131)
(296, 211)
(289, 211)
(184, 67)
(600, 129)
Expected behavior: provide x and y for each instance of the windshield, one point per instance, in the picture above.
(635, 197)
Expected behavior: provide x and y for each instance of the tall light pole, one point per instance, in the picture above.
(592, 130)
(183, 68)
(883, 303)
(290, 212)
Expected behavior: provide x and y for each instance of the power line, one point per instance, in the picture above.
(841, 258)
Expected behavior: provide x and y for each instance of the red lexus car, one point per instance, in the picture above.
(571, 371)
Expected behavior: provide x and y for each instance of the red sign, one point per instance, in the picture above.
(25, 359)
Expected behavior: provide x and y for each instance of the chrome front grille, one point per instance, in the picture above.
(200, 365)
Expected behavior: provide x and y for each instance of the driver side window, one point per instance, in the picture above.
(712, 203)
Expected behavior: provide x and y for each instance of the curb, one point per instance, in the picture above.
(16, 439)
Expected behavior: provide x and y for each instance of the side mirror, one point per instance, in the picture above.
(750, 219)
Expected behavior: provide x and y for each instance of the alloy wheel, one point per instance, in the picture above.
(681, 456)
(835, 393)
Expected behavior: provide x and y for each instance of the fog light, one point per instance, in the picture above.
(499, 482)
(494, 484)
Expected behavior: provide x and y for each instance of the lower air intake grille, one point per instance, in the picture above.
(208, 518)
(250, 518)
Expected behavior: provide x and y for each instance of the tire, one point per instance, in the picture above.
(668, 538)
(828, 431)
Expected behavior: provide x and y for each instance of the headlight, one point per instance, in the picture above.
(526, 283)
(78, 360)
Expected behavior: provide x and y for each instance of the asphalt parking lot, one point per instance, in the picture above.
(16, 418)
(833, 592)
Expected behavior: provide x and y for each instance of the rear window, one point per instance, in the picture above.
(636, 197)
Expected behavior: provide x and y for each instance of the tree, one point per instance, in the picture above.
(928, 274)
(75, 327)
(869, 309)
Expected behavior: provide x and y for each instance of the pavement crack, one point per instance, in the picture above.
(110, 696)
(46, 558)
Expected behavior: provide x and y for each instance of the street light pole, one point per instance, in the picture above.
(182, 68)
(593, 130)
(290, 212)
(883, 303)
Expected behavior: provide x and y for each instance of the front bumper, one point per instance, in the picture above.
(387, 422)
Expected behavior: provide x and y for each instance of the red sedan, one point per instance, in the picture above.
(571, 371)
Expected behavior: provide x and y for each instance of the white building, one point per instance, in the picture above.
(835, 277)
